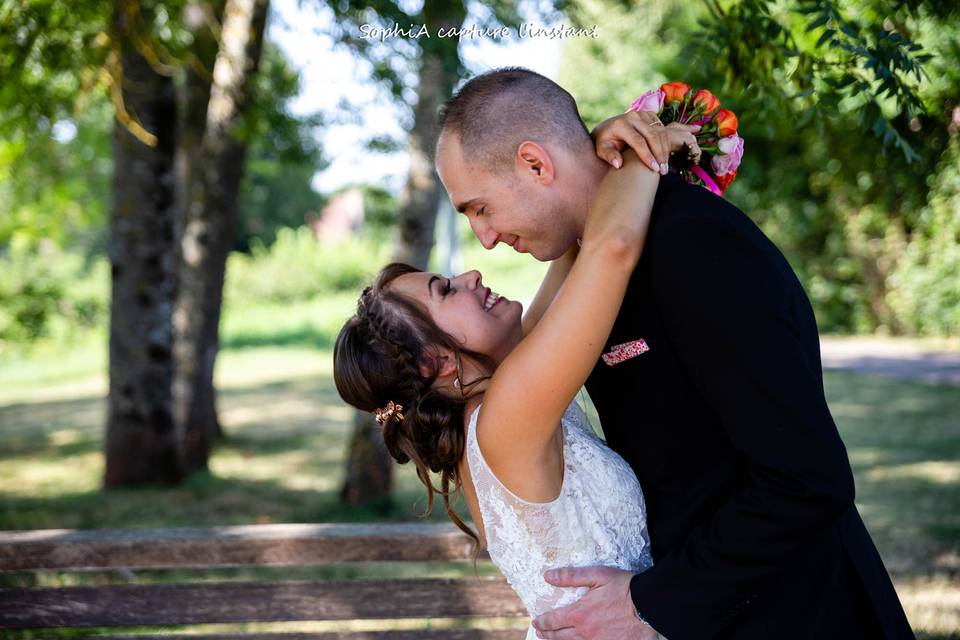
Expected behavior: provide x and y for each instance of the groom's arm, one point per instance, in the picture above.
(744, 331)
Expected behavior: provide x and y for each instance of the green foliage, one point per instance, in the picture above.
(297, 267)
(49, 53)
(47, 293)
(282, 159)
(56, 169)
(840, 204)
(640, 48)
(811, 55)
(926, 282)
(59, 192)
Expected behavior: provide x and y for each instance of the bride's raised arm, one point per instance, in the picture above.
(536, 382)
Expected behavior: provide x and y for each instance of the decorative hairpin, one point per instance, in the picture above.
(388, 413)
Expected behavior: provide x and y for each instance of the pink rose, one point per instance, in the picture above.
(732, 149)
(650, 101)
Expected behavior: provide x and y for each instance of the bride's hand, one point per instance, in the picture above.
(652, 142)
(682, 140)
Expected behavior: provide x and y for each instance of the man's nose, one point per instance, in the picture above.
(484, 233)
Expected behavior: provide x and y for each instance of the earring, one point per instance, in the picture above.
(456, 382)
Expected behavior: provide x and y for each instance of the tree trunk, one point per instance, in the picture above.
(369, 467)
(369, 475)
(141, 442)
(210, 218)
(192, 101)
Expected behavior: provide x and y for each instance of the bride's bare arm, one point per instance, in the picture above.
(552, 281)
(534, 385)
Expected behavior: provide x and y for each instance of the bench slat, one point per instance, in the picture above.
(123, 605)
(409, 634)
(266, 545)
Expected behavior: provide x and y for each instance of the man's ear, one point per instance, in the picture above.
(440, 362)
(533, 160)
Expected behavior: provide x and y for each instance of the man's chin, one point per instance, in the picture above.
(546, 255)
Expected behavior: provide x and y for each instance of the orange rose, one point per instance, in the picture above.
(724, 181)
(674, 91)
(726, 122)
(706, 101)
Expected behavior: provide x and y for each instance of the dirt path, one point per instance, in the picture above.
(937, 362)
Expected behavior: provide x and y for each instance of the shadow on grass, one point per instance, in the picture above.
(903, 440)
(283, 455)
(201, 500)
(281, 460)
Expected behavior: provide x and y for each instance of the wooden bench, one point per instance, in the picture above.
(225, 601)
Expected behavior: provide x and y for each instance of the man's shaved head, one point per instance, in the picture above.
(495, 112)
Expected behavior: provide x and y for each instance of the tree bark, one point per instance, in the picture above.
(369, 473)
(439, 65)
(192, 101)
(140, 441)
(209, 221)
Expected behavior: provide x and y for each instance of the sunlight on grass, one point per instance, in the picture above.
(936, 471)
(933, 604)
(51, 476)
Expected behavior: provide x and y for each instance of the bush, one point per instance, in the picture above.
(296, 267)
(926, 283)
(45, 291)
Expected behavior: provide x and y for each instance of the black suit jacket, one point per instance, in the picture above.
(749, 490)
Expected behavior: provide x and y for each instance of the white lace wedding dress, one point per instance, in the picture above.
(599, 518)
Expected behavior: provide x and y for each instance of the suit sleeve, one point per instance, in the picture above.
(743, 330)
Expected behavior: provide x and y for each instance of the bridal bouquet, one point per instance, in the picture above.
(722, 148)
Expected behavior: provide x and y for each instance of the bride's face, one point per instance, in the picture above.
(466, 309)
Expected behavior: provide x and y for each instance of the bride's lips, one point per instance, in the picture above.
(486, 294)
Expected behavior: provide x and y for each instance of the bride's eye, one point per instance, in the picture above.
(481, 211)
(447, 288)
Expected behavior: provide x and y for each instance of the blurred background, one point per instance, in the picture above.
(194, 192)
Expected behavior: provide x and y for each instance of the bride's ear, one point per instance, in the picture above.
(439, 363)
(534, 161)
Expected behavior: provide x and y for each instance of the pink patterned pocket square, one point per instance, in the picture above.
(625, 351)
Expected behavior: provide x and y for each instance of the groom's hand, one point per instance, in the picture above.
(606, 612)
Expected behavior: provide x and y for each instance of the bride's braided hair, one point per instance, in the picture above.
(381, 356)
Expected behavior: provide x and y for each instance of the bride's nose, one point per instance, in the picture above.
(472, 279)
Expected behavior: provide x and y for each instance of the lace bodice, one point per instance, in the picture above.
(599, 518)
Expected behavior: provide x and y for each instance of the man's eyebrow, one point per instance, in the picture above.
(463, 206)
(430, 285)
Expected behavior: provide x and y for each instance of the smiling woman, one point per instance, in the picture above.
(480, 320)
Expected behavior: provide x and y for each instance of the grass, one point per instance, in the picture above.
(287, 434)
(282, 459)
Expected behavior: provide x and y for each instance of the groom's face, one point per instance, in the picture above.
(513, 207)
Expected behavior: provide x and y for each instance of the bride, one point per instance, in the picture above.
(465, 388)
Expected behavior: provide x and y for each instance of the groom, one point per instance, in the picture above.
(719, 410)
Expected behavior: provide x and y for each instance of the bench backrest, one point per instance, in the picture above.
(230, 602)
